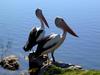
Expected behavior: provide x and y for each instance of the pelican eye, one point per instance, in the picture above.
(62, 20)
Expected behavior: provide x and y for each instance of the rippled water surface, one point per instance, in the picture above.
(17, 18)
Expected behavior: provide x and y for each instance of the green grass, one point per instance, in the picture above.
(53, 70)
(81, 72)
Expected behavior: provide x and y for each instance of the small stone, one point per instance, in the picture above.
(10, 62)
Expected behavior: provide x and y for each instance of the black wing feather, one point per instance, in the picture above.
(41, 44)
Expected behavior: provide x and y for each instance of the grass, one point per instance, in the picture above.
(53, 70)
(81, 72)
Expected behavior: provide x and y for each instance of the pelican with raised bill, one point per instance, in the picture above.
(36, 34)
(50, 43)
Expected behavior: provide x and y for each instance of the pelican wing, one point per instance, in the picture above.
(40, 34)
(46, 44)
(32, 34)
(54, 39)
(31, 40)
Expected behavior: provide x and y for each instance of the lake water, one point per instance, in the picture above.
(17, 18)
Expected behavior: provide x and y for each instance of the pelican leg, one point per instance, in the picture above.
(52, 54)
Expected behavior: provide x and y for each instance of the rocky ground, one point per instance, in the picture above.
(42, 63)
(44, 66)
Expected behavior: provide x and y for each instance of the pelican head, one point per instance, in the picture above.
(60, 23)
(40, 16)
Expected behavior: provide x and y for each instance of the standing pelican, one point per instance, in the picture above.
(36, 34)
(53, 41)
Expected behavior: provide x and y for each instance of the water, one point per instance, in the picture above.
(17, 18)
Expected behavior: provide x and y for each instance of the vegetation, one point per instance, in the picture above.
(53, 70)
(81, 72)
(4, 48)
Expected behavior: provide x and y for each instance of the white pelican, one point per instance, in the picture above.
(36, 34)
(53, 41)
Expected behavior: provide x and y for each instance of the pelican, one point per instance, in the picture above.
(50, 43)
(36, 34)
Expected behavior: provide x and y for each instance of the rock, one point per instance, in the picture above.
(51, 70)
(60, 67)
(10, 62)
(64, 65)
(35, 64)
(39, 60)
(75, 67)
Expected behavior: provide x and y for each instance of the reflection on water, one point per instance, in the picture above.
(17, 18)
